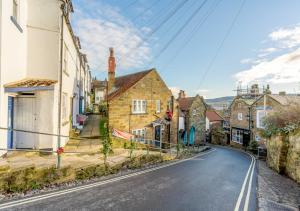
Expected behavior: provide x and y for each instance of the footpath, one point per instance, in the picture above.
(276, 192)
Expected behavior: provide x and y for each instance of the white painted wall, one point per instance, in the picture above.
(35, 53)
(207, 124)
(13, 57)
(99, 95)
(43, 38)
(181, 123)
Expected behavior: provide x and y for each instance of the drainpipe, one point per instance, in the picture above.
(60, 84)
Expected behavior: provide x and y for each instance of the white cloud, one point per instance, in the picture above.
(267, 51)
(246, 61)
(288, 37)
(280, 70)
(203, 92)
(283, 69)
(101, 26)
(175, 91)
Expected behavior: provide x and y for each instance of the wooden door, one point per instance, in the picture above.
(25, 118)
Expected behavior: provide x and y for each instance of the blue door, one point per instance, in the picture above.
(10, 122)
(192, 136)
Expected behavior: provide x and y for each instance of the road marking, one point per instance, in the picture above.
(198, 159)
(246, 206)
(96, 184)
(238, 203)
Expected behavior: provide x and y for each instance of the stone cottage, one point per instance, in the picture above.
(141, 104)
(240, 126)
(192, 115)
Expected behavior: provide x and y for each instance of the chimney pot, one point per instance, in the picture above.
(181, 94)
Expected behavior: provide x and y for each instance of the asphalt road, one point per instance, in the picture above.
(211, 181)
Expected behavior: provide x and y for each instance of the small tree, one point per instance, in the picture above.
(106, 148)
(131, 148)
(106, 139)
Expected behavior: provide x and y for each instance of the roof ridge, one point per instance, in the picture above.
(144, 71)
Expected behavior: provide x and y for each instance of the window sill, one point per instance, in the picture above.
(16, 24)
(139, 113)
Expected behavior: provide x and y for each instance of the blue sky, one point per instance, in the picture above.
(262, 47)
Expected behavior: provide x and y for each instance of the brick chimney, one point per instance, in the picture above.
(181, 94)
(111, 69)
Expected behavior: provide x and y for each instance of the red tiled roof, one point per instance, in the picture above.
(123, 83)
(213, 116)
(185, 103)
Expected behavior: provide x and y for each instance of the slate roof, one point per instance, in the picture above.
(286, 99)
(213, 116)
(123, 83)
(98, 84)
(185, 103)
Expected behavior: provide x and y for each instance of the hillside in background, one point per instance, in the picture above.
(220, 103)
(227, 99)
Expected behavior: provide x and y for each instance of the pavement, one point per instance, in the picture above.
(219, 179)
(91, 127)
(276, 192)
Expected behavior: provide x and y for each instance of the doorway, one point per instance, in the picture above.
(25, 120)
(192, 136)
(157, 135)
(10, 123)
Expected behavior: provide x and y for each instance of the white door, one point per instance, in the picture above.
(25, 119)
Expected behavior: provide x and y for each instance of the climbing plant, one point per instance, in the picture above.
(284, 120)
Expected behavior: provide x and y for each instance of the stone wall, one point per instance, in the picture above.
(284, 154)
(196, 118)
(293, 157)
(239, 106)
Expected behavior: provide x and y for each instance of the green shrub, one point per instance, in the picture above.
(253, 145)
(284, 120)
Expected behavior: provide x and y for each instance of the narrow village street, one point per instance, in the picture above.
(213, 180)
(150, 105)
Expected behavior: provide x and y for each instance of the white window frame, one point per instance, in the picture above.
(240, 116)
(238, 137)
(139, 106)
(259, 123)
(139, 134)
(158, 106)
(64, 105)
